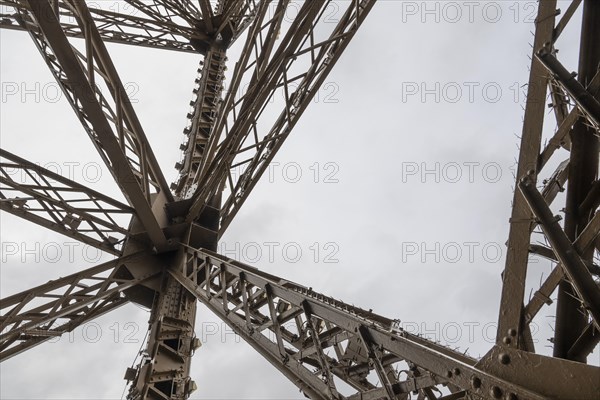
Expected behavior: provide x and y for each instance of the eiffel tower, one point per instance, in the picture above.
(164, 238)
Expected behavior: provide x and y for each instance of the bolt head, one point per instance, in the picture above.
(504, 358)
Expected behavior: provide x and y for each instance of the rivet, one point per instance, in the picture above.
(512, 332)
(506, 340)
(504, 358)
(495, 392)
(475, 382)
(511, 396)
(456, 371)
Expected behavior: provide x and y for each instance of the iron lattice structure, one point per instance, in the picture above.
(166, 257)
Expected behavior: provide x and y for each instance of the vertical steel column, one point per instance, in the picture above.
(583, 171)
(164, 371)
(209, 86)
(515, 272)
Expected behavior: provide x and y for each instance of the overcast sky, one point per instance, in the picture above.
(392, 193)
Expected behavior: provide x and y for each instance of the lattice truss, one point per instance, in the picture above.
(165, 236)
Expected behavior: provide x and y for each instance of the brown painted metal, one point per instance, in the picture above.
(515, 272)
(111, 144)
(316, 341)
(243, 148)
(237, 294)
(202, 119)
(114, 27)
(59, 204)
(578, 133)
(583, 171)
(164, 370)
(588, 292)
(67, 303)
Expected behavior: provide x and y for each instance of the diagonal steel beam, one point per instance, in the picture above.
(587, 104)
(44, 310)
(237, 154)
(207, 14)
(574, 267)
(560, 26)
(38, 337)
(54, 202)
(97, 49)
(542, 296)
(233, 290)
(585, 343)
(134, 179)
(114, 27)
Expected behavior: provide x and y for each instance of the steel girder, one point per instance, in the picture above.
(52, 201)
(164, 370)
(575, 106)
(579, 291)
(312, 338)
(115, 27)
(584, 99)
(584, 241)
(205, 106)
(117, 135)
(568, 254)
(59, 306)
(241, 147)
(228, 20)
(158, 24)
(513, 288)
